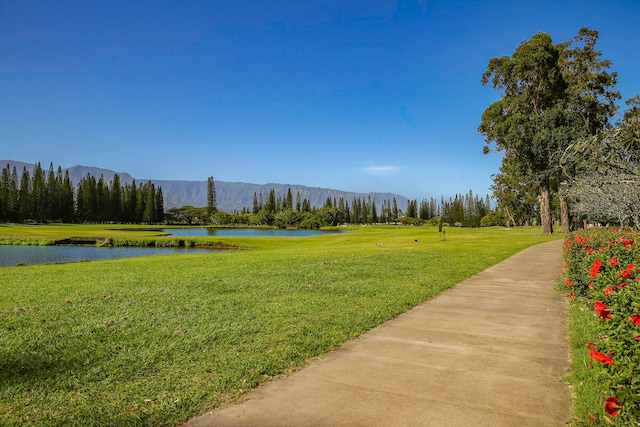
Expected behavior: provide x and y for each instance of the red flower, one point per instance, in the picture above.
(590, 345)
(602, 310)
(635, 318)
(568, 282)
(625, 272)
(600, 357)
(607, 290)
(621, 285)
(589, 251)
(595, 267)
(613, 260)
(612, 406)
(636, 337)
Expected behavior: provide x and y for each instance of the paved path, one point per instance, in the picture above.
(488, 352)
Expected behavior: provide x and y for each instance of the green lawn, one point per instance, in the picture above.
(156, 340)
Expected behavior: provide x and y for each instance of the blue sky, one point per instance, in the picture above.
(360, 95)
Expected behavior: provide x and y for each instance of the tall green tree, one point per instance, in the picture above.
(24, 197)
(52, 191)
(103, 206)
(12, 203)
(374, 212)
(255, 208)
(288, 200)
(115, 198)
(149, 197)
(159, 205)
(38, 196)
(270, 205)
(395, 212)
(590, 98)
(212, 202)
(131, 201)
(298, 201)
(5, 183)
(67, 203)
(88, 207)
(355, 212)
(531, 106)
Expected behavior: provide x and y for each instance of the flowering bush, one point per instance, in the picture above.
(603, 272)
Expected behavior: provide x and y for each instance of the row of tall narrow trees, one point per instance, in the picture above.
(49, 196)
(466, 210)
(285, 210)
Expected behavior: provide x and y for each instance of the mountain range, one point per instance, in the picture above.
(230, 196)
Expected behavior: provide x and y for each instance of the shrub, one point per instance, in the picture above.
(602, 273)
(492, 219)
(411, 221)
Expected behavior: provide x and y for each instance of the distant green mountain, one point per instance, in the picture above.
(230, 196)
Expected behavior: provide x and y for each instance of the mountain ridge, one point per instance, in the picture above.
(230, 196)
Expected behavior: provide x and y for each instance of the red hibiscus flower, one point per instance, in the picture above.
(568, 282)
(595, 267)
(612, 406)
(601, 308)
(613, 260)
(624, 273)
(635, 318)
(607, 290)
(600, 357)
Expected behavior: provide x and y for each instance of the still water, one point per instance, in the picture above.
(244, 232)
(12, 255)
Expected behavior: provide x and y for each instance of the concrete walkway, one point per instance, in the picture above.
(488, 352)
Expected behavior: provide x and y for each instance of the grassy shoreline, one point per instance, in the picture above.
(155, 340)
(108, 235)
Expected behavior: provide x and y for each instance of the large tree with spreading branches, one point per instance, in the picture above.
(552, 94)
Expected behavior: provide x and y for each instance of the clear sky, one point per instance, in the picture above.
(356, 95)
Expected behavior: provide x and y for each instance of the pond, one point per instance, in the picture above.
(12, 255)
(244, 232)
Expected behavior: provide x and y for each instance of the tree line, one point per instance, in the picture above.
(289, 211)
(49, 196)
(557, 104)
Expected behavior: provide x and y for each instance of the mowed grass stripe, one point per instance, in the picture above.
(156, 340)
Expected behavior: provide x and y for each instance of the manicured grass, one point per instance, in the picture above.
(156, 340)
(12, 234)
(586, 382)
